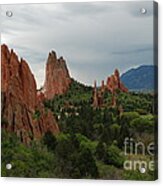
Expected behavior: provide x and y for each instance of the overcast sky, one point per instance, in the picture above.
(94, 38)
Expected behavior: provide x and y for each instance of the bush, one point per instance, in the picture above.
(114, 156)
(87, 164)
(33, 161)
(101, 151)
(50, 141)
(143, 124)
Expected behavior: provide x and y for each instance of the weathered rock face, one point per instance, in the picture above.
(114, 83)
(20, 100)
(57, 78)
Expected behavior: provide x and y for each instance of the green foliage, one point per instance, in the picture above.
(126, 117)
(101, 151)
(115, 131)
(77, 95)
(114, 156)
(86, 164)
(108, 117)
(137, 175)
(36, 115)
(143, 124)
(125, 120)
(90, 144)
(34, 161)
(136, 102)
(50, 141)
(109, 172)
(86, 143)
(68, 160)
(74, 159)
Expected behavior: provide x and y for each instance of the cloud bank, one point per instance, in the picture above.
(94, 38)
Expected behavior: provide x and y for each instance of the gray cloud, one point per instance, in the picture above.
(94, 38)
(86, 9)
(133, 51)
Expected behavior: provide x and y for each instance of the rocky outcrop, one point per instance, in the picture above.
(97, 96)
(57, 80)
(114, 83)
(22, 111)
(102, 88)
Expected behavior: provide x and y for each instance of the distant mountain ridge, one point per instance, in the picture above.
(143, 78)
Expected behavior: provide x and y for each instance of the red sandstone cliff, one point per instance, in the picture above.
(20, 100)
(57, 78)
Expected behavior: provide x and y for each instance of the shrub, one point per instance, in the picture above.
(114, 156)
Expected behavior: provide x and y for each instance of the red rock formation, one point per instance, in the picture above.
(97, 96)
(102, 86)
(57, 78)
(114, 83)
(20, 102)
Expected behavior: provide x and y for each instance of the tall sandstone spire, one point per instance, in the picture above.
(95, 98)
(57, 78)
(20, 101)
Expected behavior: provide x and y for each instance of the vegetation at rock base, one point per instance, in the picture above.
(90, 144)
